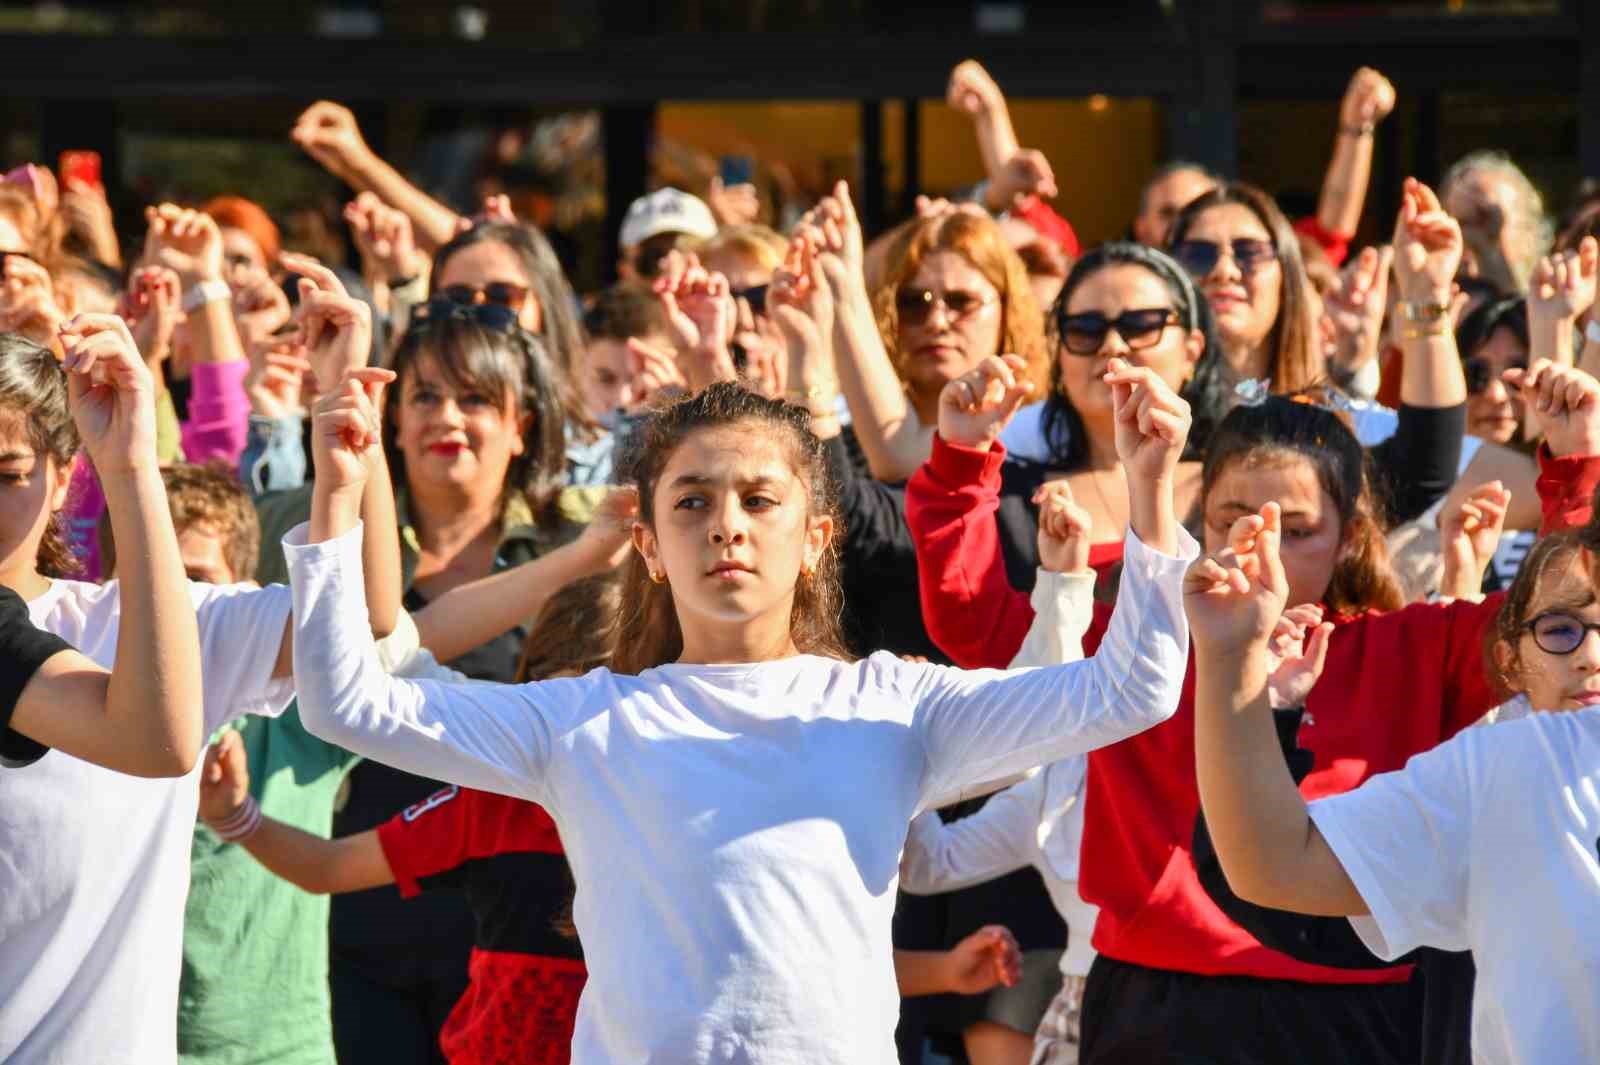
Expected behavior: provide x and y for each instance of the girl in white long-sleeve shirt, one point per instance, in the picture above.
(733, 794)
(1038, 821)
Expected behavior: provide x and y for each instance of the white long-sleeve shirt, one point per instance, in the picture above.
(735, 830)
(1038, 821)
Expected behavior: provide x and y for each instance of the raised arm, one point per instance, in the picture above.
(145, 716)
(1367, 101)
(1270, 852)
(329, 134)
(311, 863)
(1560, 293)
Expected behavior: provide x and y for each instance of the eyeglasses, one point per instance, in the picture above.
(492, 316)
(1558, 633)
(755, 296)
(1480, 374)
(502, 293)
(1085, 334)
(914, 306)
(1200, 257)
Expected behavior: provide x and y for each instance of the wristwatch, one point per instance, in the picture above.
(205, 292)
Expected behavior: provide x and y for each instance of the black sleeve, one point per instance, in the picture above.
(874, 512)
(1416, 466)
(1329, 941)
(23, 649)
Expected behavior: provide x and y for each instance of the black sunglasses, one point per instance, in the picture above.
(501, 293)
(1200, 257)
(755, 296)
(1085, 334)
(914, 306)
(492, 316)
(1558, 633)
(1480, 375)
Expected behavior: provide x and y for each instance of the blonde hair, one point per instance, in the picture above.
(755, 243)
(978, 240)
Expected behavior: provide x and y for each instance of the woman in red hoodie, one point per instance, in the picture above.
(1399, 680)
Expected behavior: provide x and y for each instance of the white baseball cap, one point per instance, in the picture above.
(666, 211)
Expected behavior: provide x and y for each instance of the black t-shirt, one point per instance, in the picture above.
(23, 649)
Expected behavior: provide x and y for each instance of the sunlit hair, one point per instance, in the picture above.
(575, 630)
(500, 364)
(250, 218)
(209, 498)
(978, 240)
(558, 307)
(17, 207)
(1530, 229)
(1560, 555)
(648, 632)
(1296, 360)
(1283, 428)
(1065, 435)
(757, 244)
(33, 396)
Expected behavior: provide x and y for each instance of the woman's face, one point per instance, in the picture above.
(487, 263)
(947, 334)
(1110, 293)
(1496, 413)
(454, 436)
(1555, 681)
(1313, 535)
(1244, 297)
(242, 260)
(731, 528)
(32, 488)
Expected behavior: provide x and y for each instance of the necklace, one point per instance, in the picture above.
(1113, 513)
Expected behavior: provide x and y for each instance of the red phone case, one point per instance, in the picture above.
(81, 166)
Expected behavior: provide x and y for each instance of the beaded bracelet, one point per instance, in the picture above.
(241, 824)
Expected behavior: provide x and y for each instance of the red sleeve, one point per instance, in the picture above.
(1044, 218)
(1566, 490)
(1336, 246)
(1468, 692)
(428, 838)
(970, 609)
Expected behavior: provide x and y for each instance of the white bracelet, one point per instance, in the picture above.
(205, 292)
(1591, 331)
(241, 824)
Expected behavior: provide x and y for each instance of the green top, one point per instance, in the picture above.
(254, 987)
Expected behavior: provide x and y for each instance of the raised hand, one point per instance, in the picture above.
(346, 430)
(802, 306)
(1297, 653)
(1368, 99)
(733, 205)
(1468, 536)
(88, 214)
(278, 366)
(384, 239)
(1152, 421)
(224, 779)
(984, 960)
(185, 241)
(335, 328)
(111, 393)
(328, 132)
(27, 300)
(976, 407)
(496, 209)
(1565, 403)
(1563, 284)
(260, 309)
(701, 312)
(152, 307)
(654, 371)
(1064, 529)
(608, 538)
(1427, 247)
(836, 230)
(1026, 173)
(1356, 307)
(1235, 597)
(971, 90)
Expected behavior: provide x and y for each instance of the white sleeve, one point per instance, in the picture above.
(996, 840)
(494, 737)
(1404, 839)
(984, 724)
(1063, 607)
(241, 633)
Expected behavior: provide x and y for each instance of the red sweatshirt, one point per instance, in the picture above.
(1395, 684)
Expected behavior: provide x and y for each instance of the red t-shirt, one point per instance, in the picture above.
(525, 973)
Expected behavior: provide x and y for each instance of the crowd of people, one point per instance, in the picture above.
(949, 644)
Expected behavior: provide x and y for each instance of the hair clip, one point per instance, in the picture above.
(1252, 392)
(1331, 399)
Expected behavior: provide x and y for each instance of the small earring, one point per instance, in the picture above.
(659, 578)
(807, 572)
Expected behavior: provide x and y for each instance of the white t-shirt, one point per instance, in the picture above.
(735, 830)
(1488, 843)
(94, 865)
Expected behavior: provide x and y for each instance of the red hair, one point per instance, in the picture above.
(236, 212)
